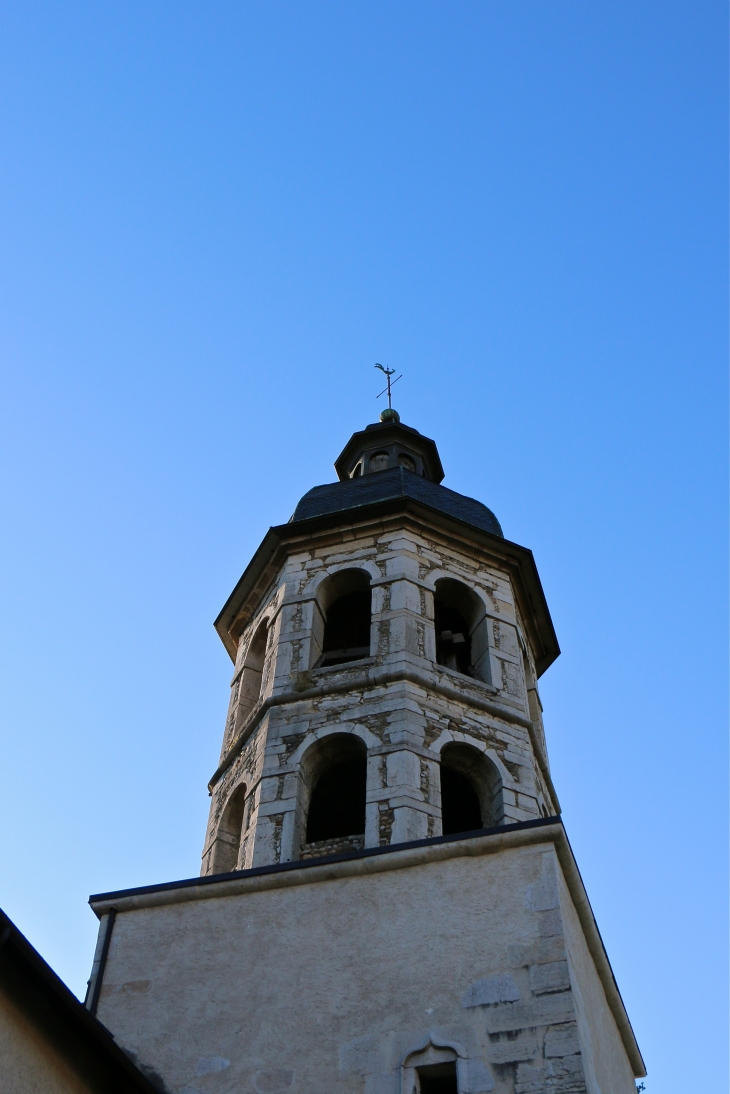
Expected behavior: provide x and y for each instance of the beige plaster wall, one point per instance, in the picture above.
(28, 1063)
(334, 985)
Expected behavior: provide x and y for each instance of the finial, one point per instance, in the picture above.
(389, 415)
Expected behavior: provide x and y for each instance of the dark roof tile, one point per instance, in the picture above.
(338, 497)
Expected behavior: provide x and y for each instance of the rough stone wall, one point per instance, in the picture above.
(398, 701)
(347, 983)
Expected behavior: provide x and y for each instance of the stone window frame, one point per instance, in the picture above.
(298, 763)
(252, 669)
(507, 780)
(432, 1049)
(488, 784)
(238, 794)
(479, 631)
(316, 593)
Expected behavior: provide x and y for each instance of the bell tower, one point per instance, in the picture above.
(388, 902)
(386, 645)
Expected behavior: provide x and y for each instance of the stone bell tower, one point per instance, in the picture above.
(388, 902)
(390, 634)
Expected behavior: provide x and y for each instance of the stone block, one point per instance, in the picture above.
(550, 923)
(550, 977)
(493, 989)
(512, 1050)
(539, 953)
(562, 1041)
(474, 1076)
(546, 1011)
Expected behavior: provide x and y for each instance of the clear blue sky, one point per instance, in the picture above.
(214, 219)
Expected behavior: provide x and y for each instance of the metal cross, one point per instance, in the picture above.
(388, 373)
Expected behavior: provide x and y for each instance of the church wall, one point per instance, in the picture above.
(335, 983)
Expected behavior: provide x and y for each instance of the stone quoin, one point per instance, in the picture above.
(388, 902)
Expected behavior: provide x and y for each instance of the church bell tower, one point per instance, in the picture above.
(388, 902)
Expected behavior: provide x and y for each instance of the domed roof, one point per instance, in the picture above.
(397, 482)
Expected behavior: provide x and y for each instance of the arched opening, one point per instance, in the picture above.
(335, 775)
(253, 670)
(379, 461)
(471, 790)
(460, 809)
(230, 830)
(341, 629)
(460, 622)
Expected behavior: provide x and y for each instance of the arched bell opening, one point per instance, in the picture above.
(229, 835)
(334, 777)
(471, 790)
(253, 672)
(460, 623)
(342, 617)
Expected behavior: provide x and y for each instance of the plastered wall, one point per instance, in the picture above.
(343, 984)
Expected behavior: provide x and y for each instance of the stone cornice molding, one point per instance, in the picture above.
(380, 677)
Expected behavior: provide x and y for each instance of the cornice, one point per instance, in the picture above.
(378, 677)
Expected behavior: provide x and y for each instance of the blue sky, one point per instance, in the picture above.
(214, 219)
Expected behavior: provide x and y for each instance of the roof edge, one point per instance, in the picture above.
(39, 973)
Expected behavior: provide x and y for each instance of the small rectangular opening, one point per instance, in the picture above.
(437, 1079)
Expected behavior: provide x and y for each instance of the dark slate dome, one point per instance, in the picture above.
(397, 482)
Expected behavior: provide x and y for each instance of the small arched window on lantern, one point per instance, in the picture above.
(379, 461)
(460, 622)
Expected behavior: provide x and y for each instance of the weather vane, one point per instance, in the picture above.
(388, 372)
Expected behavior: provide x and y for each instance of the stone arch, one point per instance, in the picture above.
(454, 736)
(252, 671)
(229, 834)
(461, 627)
(331, 794)
(312, 587)
(342, 617)
(471, 789)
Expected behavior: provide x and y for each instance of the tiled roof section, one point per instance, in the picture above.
(337, 497)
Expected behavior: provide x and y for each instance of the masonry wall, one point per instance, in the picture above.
(339, 984)
(401, 704)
